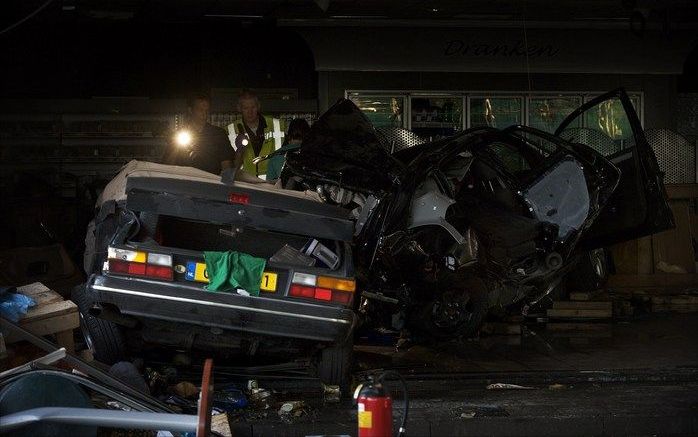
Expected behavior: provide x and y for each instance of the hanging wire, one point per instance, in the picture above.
(525, 31)
(28, 17)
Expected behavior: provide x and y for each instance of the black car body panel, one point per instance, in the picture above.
(177, 214)
(639, 206)
(259, 209)
(344, 148)
(515, 206)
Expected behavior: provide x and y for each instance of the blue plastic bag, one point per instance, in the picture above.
(14, 305)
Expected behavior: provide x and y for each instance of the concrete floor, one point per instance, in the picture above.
(656, 342)
(635, 378)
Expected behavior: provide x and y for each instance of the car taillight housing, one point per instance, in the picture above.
(322, 288)
(138, 263)
(240, 199)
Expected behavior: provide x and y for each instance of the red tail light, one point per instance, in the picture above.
(341, 297)
(161, 272)
(301, 291)
(136, 269)
(318, 293)
(140, 269)
(116, 266)
(323, 294)
(242, 199)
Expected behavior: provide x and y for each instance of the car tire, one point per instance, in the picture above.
(477, 308)
(334, 364)
(591, 272)
(104, 339)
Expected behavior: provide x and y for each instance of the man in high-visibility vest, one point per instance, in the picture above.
(265, 135)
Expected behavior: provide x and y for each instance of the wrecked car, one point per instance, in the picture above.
(427, 238)
(449, 229)
(145, 254)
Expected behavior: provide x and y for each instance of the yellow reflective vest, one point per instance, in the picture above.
(273, 139)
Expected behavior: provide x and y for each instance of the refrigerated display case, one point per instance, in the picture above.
(436, 114)
(382, 110)
(436, 117)
(546, 112)
(498, 112)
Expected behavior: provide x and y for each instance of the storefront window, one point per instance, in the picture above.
(499, 112)
(546, 113)
(606, 127)
(436, 117)
(381, 110)
(610, 120)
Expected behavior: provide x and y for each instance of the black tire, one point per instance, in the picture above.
(590, 273)
(475, 310)
(104, 339)
(334, 364)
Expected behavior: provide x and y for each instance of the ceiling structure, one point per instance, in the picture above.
(368, 12)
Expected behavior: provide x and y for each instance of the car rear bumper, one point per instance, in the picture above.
(180, 303)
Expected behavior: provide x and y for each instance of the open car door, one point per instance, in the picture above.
(638, 206)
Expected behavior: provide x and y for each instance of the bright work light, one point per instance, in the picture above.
(183, 138)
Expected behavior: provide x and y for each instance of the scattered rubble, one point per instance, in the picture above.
(503, 386)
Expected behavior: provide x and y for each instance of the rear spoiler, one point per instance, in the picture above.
(239, 204)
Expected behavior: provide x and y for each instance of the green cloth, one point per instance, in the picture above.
(276, 162)
(228, 271)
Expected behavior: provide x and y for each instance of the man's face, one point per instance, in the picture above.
(249, 108)
(200, 111)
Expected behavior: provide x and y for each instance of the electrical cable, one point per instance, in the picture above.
(405, 399)
(28, 17)
(525, 32)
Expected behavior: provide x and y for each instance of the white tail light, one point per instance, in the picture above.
(304, 279)
(159, 259)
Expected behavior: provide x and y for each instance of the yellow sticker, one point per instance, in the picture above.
(201, 274)
(268, 282)
(365, 419)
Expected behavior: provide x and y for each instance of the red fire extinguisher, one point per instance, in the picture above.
(375, 407)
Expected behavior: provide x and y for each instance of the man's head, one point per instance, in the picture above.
(199, 107)
(248, 106)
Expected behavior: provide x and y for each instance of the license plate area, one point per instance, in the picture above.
(193, 271)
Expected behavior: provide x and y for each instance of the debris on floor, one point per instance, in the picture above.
(290, 411)
(503, 386)
(331, 393)
(229, 399)
(186, 390)
(221, 425)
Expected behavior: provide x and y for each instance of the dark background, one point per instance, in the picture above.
(78, 49)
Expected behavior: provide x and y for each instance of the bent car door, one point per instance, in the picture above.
(638, 206)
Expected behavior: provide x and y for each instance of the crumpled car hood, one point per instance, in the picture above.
(343, 147)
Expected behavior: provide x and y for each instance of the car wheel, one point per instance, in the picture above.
(334, 364)
(456, 312)
(104, 339)
(591, 272)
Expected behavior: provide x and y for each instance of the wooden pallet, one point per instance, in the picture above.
(579, 329)
(52, 315)
(589, 295)
(581, 310)
(685, 303)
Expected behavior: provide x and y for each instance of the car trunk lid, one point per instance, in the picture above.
(240, 204)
